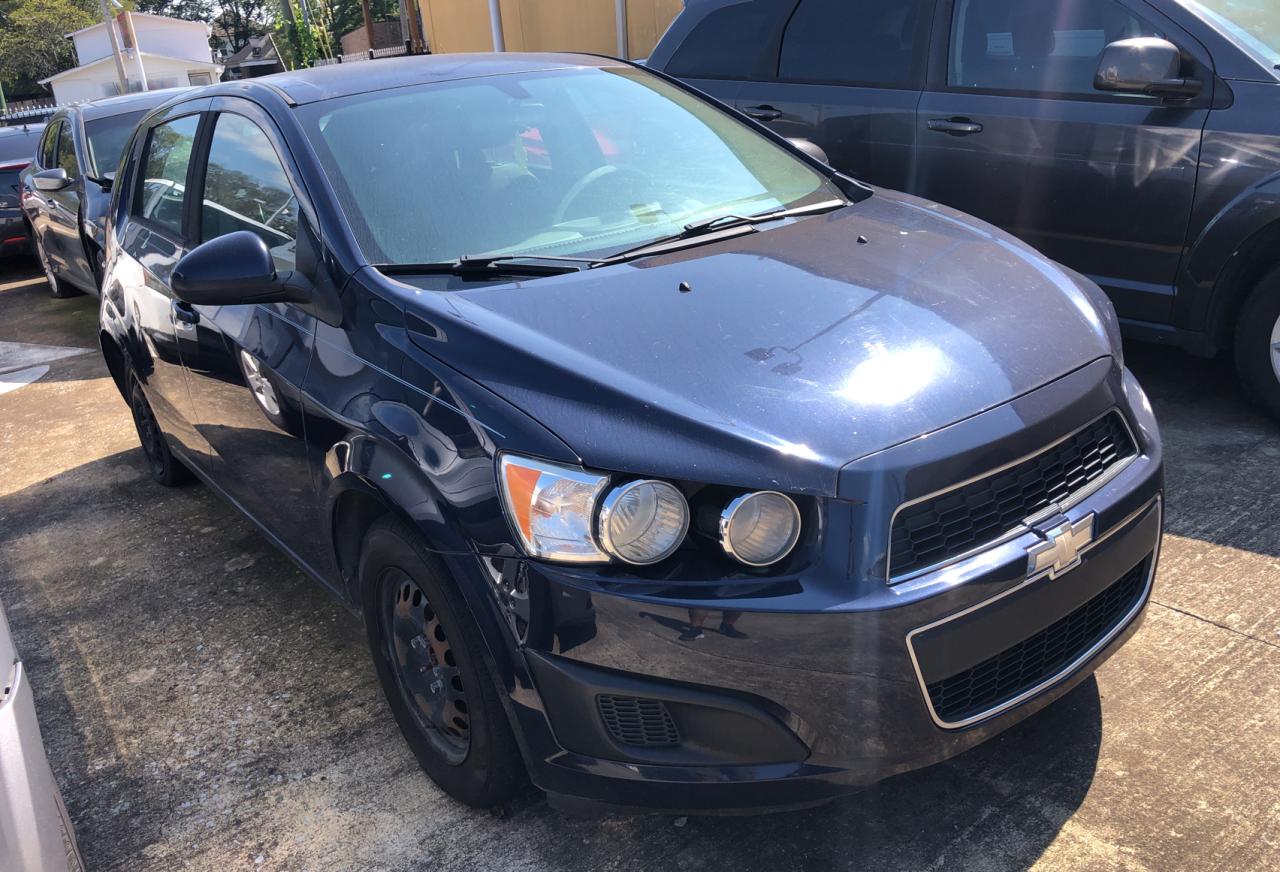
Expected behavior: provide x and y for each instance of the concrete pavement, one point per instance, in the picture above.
(231, 719)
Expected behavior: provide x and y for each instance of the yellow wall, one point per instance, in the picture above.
(546, 25)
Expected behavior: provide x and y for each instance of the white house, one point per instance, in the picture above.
(173, 52)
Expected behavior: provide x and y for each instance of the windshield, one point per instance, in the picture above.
(567, 163)
(107, 137)
(1253, 23)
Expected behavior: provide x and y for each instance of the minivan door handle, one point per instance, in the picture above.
(184, 316)
(763, 113)
(955, 126)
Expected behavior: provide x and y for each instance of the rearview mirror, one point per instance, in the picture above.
(51, 180)
(232, 270)
(810, 148)
(1144, 65)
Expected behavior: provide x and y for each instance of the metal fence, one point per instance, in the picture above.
(371, 55)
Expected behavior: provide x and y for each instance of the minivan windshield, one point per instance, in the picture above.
(1255, 24)
(576, 163)
(107, 137)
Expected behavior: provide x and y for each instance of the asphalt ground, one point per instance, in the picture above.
(207, 707)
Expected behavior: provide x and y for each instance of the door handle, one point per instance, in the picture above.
(763, 113)
(955, 126)
(184, 316)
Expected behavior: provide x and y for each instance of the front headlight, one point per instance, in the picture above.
(759, 528)
(643, 522)
(552, 508)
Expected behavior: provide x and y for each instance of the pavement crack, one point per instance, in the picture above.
(1217, 624)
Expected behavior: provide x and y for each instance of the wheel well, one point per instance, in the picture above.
(1259, 254)
(353, 514)
(115, 359)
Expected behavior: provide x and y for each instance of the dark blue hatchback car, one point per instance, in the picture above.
(663, 463)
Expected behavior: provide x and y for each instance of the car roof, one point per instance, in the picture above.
(341, 80)
(125, 103)
(19, 142)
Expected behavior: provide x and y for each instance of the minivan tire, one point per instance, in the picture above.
(1257, 330)
(488, 770)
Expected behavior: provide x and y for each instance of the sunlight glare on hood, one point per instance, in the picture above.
(889, 377)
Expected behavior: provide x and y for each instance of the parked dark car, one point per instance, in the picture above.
(67, 187)
(17, 147)
(1137, 141)
(661, 461)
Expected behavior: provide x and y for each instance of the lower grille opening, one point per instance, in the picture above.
(1038, 657)
(638, 722)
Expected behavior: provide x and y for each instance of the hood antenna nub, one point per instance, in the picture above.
(685, 287)
(862, 240)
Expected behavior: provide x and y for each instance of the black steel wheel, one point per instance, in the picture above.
(163, 466)
(435, 669)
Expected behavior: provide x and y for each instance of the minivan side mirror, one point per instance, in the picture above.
(231, 270)
(810, 148)
(51, 180)
(1144, 65)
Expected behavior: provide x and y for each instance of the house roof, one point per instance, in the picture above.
(190, 64)
(259, 50)
(138, 15)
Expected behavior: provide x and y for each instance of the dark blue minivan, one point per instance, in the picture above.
(666, 466)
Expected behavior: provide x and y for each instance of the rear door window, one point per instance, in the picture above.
(164, 180)
(855, 42)
(246, 188)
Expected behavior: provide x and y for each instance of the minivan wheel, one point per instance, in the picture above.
(58, 289)
(163, 466)
(1257, 346)
(431, 662)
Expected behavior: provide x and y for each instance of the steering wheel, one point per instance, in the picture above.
(578, 188)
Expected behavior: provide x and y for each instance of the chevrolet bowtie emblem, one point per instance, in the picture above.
(1061, 549)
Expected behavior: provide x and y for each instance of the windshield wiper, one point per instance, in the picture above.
(719, 224)
(483, 265)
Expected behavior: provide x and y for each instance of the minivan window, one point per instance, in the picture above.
(245, 188)
(107, 137)
(1254, 23)
(1041, 46)
(164, 177)
(727, 43)
(872, 42)
(67, 152)
(581, 162)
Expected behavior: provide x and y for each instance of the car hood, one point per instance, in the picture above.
(792, 351)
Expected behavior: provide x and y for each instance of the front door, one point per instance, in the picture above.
(246, 363)
(1010, 129)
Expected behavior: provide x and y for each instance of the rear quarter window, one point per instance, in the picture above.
(727, 42)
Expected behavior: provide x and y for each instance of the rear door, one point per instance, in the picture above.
(246, 363)
(847, 74)
(1011, 130)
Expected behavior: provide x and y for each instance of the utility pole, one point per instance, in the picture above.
(620, 21)
(368, 22)
(131, 38)
(495, 25)
(115, 46)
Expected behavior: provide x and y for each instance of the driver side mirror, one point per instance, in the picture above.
(231, 270)
(51, 180)
(1145, 65)
(810, 148)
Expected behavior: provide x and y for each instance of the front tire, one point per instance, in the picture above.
(58, 289)
(1257, 343)
(163, 466)
(431, 661)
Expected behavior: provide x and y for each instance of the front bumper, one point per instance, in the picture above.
(836, 685)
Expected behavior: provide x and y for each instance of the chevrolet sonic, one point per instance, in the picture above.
(666, 466)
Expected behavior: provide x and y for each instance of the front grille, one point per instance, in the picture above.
(1039, 657)
(964, 518)
(638, 722)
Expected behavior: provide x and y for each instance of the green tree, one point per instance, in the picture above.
(32, 45)
(190, 10)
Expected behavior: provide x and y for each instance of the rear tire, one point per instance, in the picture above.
(1257, 343)
(433, 667)
(161, 464)
(58, 289)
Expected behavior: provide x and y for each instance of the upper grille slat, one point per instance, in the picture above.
(964, 518)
